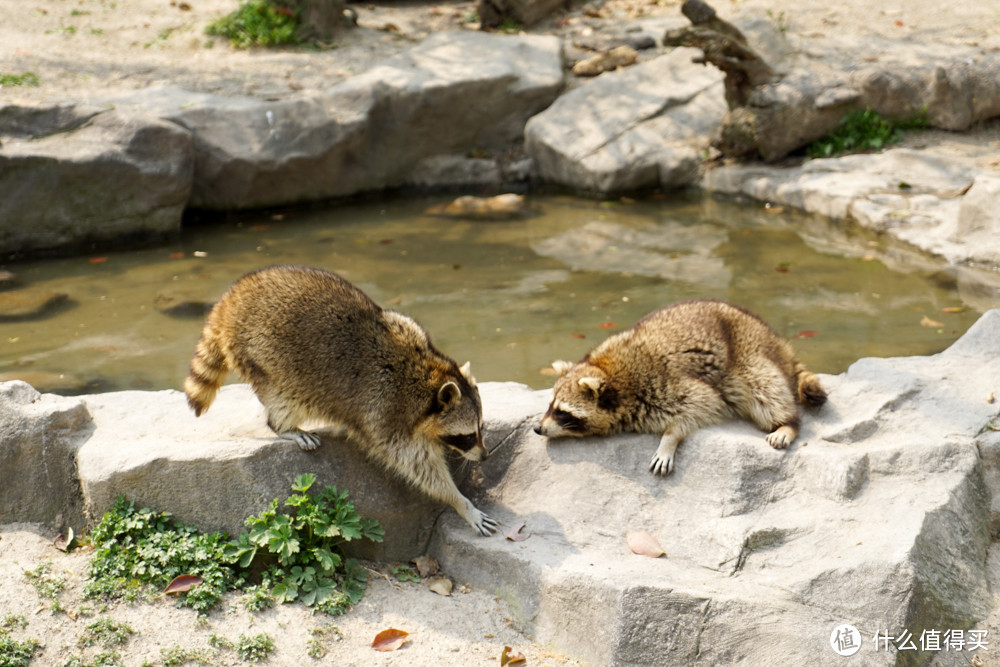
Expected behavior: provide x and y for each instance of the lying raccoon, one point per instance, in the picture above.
(315, 347)
(680, 368)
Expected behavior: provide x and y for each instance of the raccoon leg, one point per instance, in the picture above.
(284, 419)
(701, 406)
(428, 471)
(663, 460)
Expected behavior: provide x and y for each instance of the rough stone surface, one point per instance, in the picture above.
(50, 160)
(39, 438)
(911, 195)
(637, 128)
(879, 515)
(454, 92)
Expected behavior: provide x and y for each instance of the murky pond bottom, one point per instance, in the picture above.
(510, 296)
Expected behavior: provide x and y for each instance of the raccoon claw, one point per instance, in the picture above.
(305, 440)
(661, 466)
(484, 525)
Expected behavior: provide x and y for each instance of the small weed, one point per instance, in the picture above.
(254, 649)
(25, 79)
(861, 131)
(107, 632)
(216, 640)
(256, 23)
(176, 655)
(17, 654)
(406, 573)
(47, 585)
(257, 598)
(13, 621)
(779, 19)
(316, 647)
(510, 25)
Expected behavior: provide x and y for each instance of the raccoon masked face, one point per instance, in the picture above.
(580, 403)
(459, 417)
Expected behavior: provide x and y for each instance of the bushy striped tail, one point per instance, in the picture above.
(810, 391)
(208, 370)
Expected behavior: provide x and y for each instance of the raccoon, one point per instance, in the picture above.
(315, 348)
(678, 369)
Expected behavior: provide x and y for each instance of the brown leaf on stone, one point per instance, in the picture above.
(183, 583)
(427, 566)
(441, 585)
(517, 533)
(930, 324)
(512, 657)
(389, 640)
(644, 544)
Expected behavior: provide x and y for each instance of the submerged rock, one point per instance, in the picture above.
(29, 303)
(499, 207)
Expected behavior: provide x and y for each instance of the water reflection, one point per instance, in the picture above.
(510, 296)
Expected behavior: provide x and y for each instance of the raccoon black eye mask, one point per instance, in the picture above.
(315, 348)
(680, 368)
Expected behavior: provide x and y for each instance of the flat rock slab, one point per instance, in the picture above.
(879, 515)
(933, 203)
(632, 129)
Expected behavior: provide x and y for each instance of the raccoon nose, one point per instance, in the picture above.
(538, 428)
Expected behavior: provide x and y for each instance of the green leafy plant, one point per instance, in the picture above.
(134, 549)
(316, 648)
(406, 573)
(863, 130)
(17, 653)
(25, 79)
(254, 649)
(302, 552)
(178, 655)
(106, 632)
(257, 23)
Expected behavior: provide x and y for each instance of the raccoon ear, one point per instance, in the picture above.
(448, 395)
(466, 371)
(561, 367)
(591, 385)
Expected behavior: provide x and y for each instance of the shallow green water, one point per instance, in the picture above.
(509, 296)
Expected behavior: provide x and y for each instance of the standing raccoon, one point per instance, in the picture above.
(678, 369)
(315, 348)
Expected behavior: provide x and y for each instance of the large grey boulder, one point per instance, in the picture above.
(642, 127)
(455, 92)
(71, 174)
(216, 470)
(880, 515)
(39, 438)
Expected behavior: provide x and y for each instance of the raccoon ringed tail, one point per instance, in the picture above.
(810, 391)
(208, 370)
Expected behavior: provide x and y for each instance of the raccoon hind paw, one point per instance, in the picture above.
(782, 437)
(304, 439)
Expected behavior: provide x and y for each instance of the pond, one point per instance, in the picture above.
(511, 296)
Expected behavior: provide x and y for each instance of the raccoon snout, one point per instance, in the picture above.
(538, 429)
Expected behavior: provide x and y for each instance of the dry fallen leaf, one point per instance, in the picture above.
(644, 544)
(517, 533)
(182, 584)
(954, 309)
(608, 325)
(389, 640)
(512, 657)
(64, 542)
(930, 324)
(441, 585)
(990, 398)
(427, 566)
(805, 334)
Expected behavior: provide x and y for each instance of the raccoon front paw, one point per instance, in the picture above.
(662, 466)
(782, 437)
(304, 439)
(486, 525)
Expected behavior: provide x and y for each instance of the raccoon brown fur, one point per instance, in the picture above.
(315, 348)
(678, 369)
